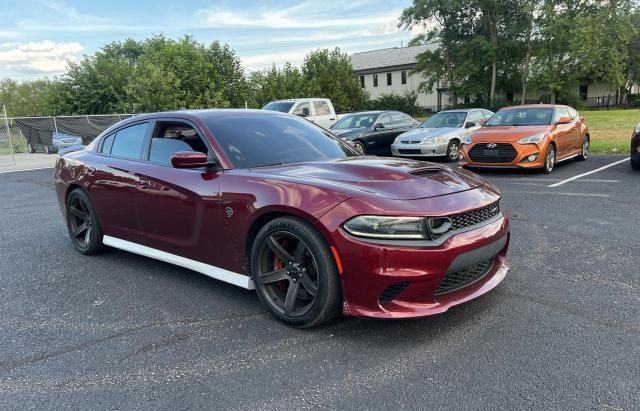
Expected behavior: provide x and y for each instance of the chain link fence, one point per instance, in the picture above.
(7, 157)
(49, 134)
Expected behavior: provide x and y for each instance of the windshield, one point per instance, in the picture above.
(355, 121)
(448, 119)
(521, 117)
(254, 141)
(282, 106)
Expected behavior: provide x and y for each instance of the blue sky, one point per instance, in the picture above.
(37, 37)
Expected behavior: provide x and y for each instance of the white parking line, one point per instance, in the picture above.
(26, 169)
(586, 174)
(557, 193)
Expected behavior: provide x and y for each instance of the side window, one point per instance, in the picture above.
(560, 112)
(322, 108)
(487, 114)
(170, 137)
(129, 141)
(385, 119)
(302, 106)
(398, 119)
(107, 142)
(573, 113)
(475, 117)
(408, 119)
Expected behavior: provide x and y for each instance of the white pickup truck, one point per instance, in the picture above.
(316, 110)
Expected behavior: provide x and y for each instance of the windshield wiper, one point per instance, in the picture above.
(268, 165)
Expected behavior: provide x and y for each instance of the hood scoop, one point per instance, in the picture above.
(426, 172)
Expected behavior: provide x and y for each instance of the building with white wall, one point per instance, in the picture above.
(388, 71)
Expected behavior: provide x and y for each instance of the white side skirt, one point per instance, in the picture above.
(206, 269)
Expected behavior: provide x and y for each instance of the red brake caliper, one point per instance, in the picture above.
(278, 264)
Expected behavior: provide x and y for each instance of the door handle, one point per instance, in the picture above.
(331, 119)
(142, 185)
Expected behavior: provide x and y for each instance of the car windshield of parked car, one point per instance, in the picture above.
(449, 119)
(521, 117)
(282, 106)
(355, 121)
(255, 141)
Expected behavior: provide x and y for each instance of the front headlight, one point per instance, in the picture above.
(467, 140)
(407, 228)
(435, 140)
(534, 139)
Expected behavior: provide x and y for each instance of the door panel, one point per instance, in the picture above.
(564, 133)
(114, 193)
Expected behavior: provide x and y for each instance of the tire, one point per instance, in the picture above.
(359, 146)
(453, 150)
(549, 159)
(294, 273)
(84, 229)
(635, 165)
(585, 149)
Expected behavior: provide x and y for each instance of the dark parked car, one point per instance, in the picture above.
(270, 201)
(373, 132)
(635, 148)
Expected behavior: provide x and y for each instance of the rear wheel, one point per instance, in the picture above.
(83, 226)
(294, 273)
(585, 149)
(453, 150)
(550, 159)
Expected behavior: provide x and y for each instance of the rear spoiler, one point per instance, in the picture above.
(71, 149)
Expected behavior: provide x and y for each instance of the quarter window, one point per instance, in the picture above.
(129, 141)
(322, 108)
(107, 143)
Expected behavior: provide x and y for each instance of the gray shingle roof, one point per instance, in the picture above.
(395, 56)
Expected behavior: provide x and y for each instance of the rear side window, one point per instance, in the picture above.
(129, 141)
(322, 108)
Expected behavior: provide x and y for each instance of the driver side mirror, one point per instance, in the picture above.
(378, 126)
(564, 120)
(305, 111)
(190, 159)
(469, 124)
(482, 122)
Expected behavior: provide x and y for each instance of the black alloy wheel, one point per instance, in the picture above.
(294, 273)
(83, 226)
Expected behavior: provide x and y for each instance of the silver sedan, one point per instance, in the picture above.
(440, 135)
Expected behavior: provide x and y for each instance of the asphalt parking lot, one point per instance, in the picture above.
(121, 331)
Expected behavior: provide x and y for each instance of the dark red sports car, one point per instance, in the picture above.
(270, 201)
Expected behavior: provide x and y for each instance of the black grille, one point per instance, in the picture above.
(409, 151)
(493, 153)
(411, 142)
(470, 218)
(392, 292)
(463, 278)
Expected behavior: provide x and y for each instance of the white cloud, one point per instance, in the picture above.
(45, 57)
(306, 15)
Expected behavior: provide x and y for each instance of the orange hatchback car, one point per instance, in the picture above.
(533, 136)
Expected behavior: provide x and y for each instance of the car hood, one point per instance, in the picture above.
(420, 134)
(346, 133)
(375, 176)
(507, 134)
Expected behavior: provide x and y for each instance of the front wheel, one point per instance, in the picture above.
(359, 146)
(294, 273)
(584, 154)
(453, 150)
(82, 223)
(550, 159)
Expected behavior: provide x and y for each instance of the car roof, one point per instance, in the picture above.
(204, 114)
(370, 112)
(462, 110)
(293, 100)
(534, 106)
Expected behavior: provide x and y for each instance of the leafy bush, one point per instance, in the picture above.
(405, 103)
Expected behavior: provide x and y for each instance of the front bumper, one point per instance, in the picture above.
(419, 150)
(371, 270)
(520, 161)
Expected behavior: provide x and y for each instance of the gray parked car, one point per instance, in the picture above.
(440, 135)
